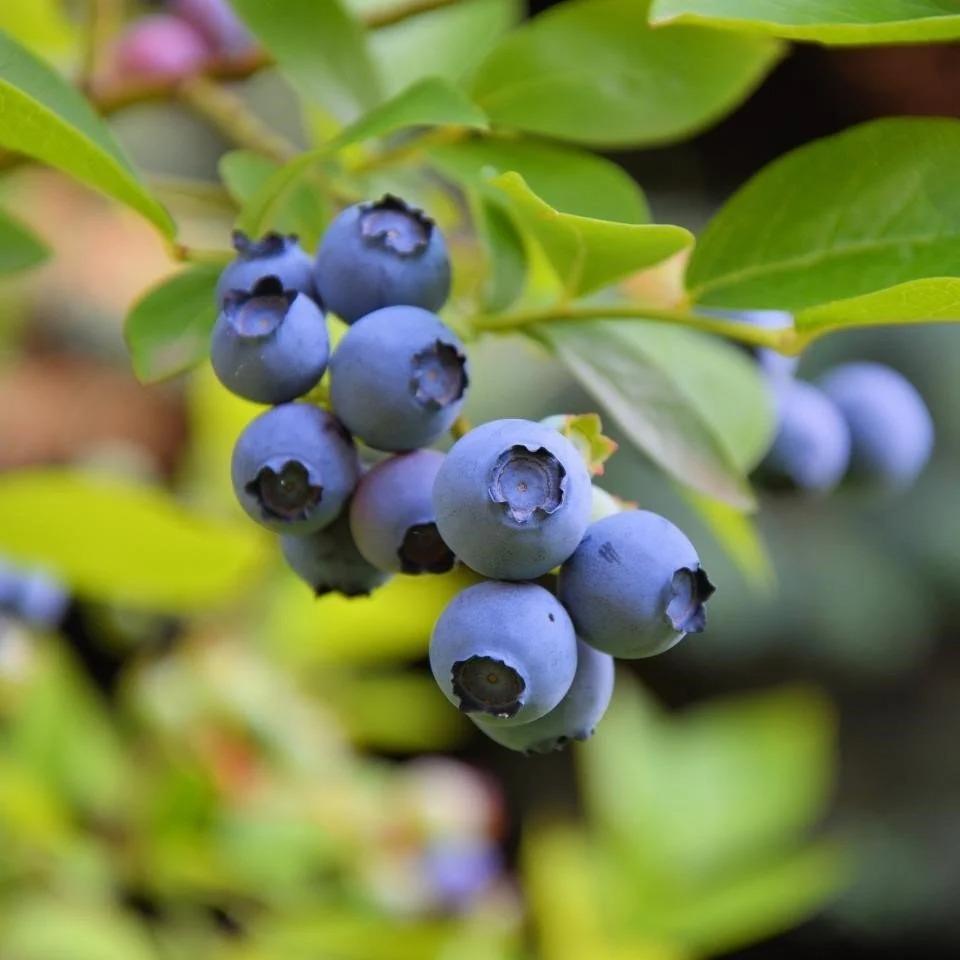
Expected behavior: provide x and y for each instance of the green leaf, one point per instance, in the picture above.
(168, 328)
(695, 405)
(566, 178)
(457, 38)
(115, 541)
(302, 209)
(737, 534)
(40, 25)
(49, 928)
(586, 253)
(429, 102)
(20, 248)
(45, 118)
(871, 207)
(744, 907)
(935, 300)
(823, 21)
(729, 783)
(504, 248)
(321, 49)
(593, 71)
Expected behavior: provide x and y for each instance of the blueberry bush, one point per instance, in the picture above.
(336, 303)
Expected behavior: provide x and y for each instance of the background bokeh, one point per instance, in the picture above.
(266, 775)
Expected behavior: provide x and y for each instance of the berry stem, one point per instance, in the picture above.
(784, 341)
(184, 254)
(231, 116)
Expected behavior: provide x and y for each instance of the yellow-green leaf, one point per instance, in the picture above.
(112, 540)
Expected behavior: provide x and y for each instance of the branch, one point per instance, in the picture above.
(786, 341)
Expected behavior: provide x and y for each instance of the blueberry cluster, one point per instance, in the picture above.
(861, 421)
(528, 656)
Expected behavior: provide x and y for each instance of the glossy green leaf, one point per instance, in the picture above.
(822, 21)
(111, 540)
(732, 782)
(695, 405)
(587, 253)
(45, 118)
(302, 209)
(457, 37)
(321, 48)
(505, 252)
(428, 102)
(593, 71)
(935, 300)
(20, 248)
(568, 179)
(869, 208)
(168, 329)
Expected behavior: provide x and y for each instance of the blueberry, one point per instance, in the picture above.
(161, 47)
(270, 345)
(382, 254)
(574, 718)
(391, 516)
(294, 468)
(506, 651)
(634, 587)
(398, 378)
(891, 431)
(328, 561)
(43, 600)
(513, 499)
(459, 870)
(272, 255)
(216, 20)
(811, 450)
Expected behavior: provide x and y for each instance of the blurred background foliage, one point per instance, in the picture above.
(198, 759)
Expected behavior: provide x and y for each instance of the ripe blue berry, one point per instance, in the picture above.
(161, 47)
(811, 450)
(574, 718)
(398, 378)
(218, 23)
(506, 651)
(391, 516)
(634, 587)
(382, 254)
(272, 255)
(270, 345)
(328, 561)
(513, 499)
(294, 468)
(891, 431)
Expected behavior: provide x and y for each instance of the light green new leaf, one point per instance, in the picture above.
(20, 248)
(321, 49)
(593, 71)
(45, 118)
(568, 179)
(302, 209)
(871, 207)
(695, 405)
(586, 253)
(429, 102)
(822, 21)
(729, 783)
(168, 329)
(457, 37)
(935, 300)
(115, 541)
